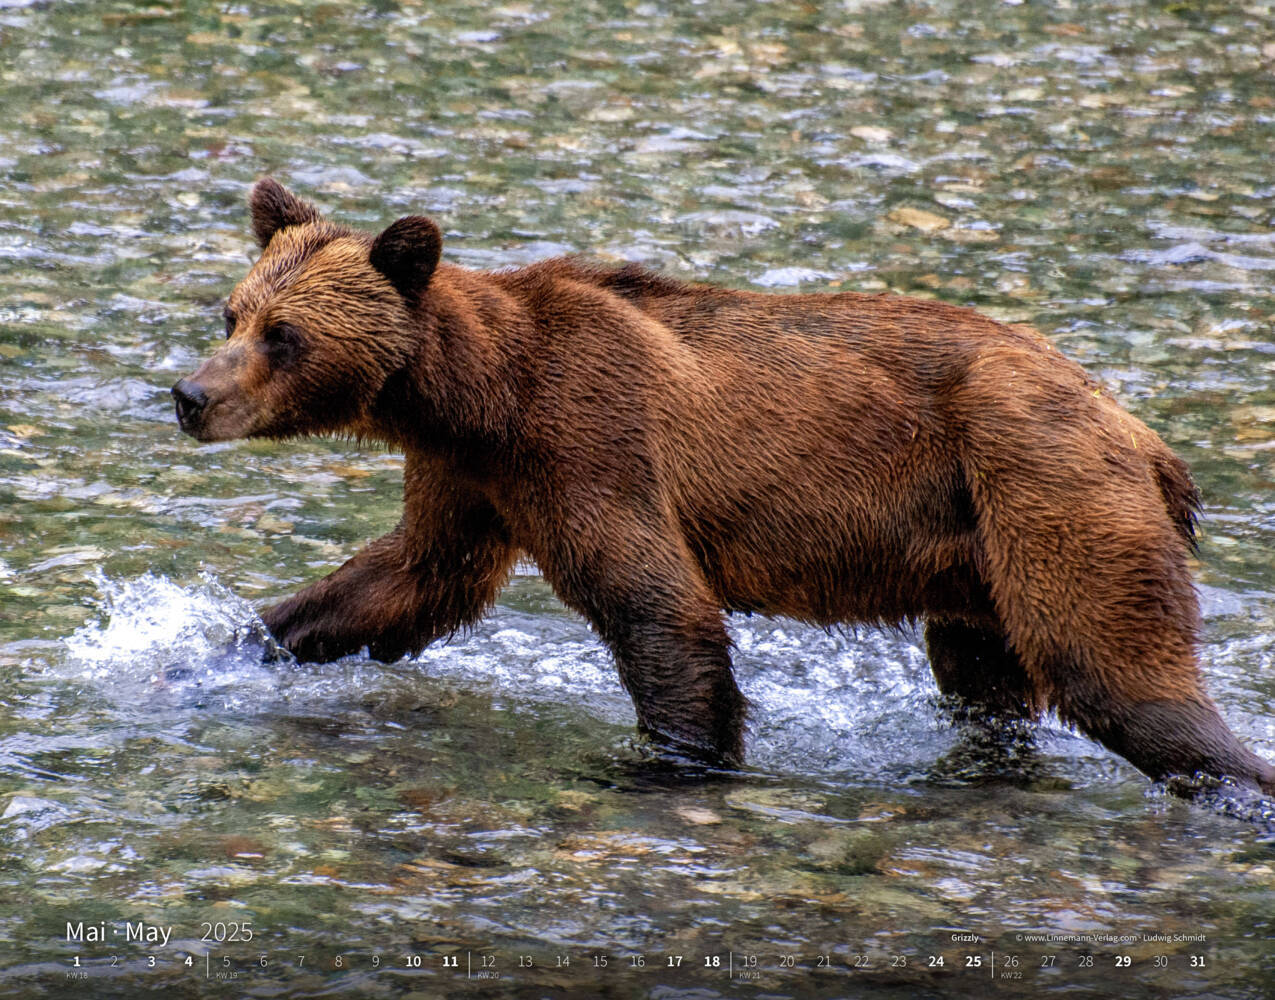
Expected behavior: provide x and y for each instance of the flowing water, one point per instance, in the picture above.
(482, 819)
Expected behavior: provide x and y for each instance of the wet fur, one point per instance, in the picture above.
(666, 451)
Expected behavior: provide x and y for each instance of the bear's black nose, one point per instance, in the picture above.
(191, 400)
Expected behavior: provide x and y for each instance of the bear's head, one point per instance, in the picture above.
(324, 318)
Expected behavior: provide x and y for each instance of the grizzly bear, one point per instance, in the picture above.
(667, 452)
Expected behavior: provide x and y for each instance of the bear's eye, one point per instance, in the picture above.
(281, 342)
(280, 333)
(230, 322)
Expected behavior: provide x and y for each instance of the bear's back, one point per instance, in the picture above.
(925, 342)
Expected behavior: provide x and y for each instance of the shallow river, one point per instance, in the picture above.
(482, 819)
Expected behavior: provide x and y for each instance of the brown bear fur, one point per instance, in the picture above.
(668, 451)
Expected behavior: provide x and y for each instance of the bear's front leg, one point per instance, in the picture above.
(644, 594)
(372, 601)
(675, 664)
(438, 571)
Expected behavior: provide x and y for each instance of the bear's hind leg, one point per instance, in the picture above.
(1165, 736)
(1088, 571)
(1114, 648)
(974, 662)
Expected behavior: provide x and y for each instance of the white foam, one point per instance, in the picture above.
(159, 647)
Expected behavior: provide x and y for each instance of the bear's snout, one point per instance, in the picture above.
(191, 400)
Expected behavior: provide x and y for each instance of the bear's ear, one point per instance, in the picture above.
(407, 253)
(274, 207)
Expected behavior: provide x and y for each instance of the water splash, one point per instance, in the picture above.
(153, 634)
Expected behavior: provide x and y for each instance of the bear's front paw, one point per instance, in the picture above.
(310, 639)
(291, 631)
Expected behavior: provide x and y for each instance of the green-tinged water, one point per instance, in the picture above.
(1103, 171)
